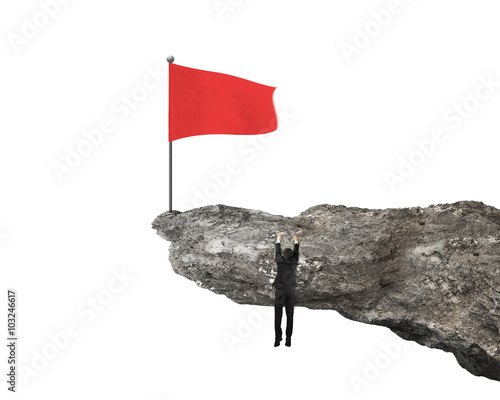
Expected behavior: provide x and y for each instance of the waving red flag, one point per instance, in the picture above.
(204, 102)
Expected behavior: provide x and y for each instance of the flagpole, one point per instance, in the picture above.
(170, 60)
(170, 177)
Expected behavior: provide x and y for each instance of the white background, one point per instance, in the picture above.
(349, 121)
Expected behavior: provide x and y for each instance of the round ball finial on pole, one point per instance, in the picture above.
(170, 59)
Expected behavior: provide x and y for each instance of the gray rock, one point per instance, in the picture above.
(431, 275)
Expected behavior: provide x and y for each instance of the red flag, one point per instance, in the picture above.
(204, 102)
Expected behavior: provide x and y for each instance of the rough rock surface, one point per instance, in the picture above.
(431, 275)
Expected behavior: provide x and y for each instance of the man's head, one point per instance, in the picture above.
(287, 254)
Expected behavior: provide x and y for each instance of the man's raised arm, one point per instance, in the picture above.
(295, 247)
(278, 247)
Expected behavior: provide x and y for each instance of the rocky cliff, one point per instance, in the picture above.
(431, 275)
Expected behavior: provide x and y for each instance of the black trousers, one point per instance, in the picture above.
(284, 297)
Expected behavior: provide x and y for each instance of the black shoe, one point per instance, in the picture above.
(277, 341)
(288, 342)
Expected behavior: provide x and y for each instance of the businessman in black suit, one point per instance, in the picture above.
(285, 289)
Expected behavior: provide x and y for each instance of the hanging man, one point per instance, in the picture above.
(285, 289)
